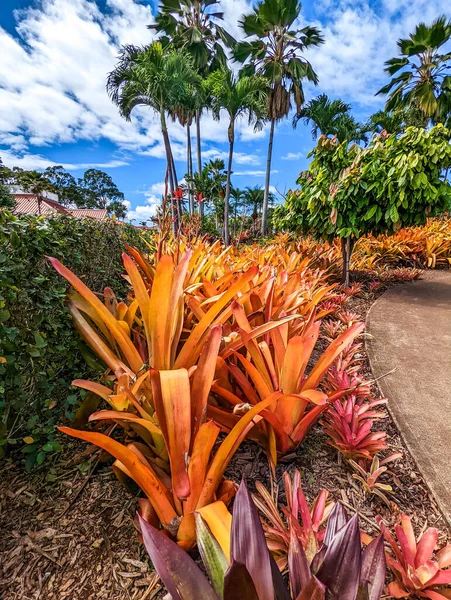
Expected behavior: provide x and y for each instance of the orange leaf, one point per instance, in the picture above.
(142, 475)
(176, 399)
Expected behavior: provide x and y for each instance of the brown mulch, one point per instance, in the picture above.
(74, 537)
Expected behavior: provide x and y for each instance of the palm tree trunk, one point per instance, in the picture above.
(229, 175)
(199, 156)
(267, 178)
(170, 162)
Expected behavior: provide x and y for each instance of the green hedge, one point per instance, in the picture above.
(40, 352)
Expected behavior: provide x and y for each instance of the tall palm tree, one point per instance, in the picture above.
(156, 77)
(237, 96)
(276, 53)
(322, 114)
(193, 25)
(424, 72)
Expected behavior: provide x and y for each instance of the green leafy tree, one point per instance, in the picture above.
(349, 191)
(237, 96)
(194, 26)
(275, 52)
(157, 77)
(421, 74)
(99, 191)
(65, 185)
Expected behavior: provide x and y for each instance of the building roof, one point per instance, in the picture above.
(27, 204)
(93, 213)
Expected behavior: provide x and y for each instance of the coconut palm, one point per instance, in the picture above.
(237, 96)
(156, 77)
(275, 52)
(322, 114)
(193, 26)
(423, 72)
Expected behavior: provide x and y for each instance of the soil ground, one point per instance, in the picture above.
(74, 537)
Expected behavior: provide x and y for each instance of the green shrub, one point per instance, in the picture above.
(40, 351)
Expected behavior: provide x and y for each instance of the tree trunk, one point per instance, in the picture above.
(199, 156)
(267, 179)
(229, 176)
(169, 159)
(347, 245)
(189, 166)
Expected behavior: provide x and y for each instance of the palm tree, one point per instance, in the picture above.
(157, 77)
(395, 121)
(424, 79)
(331, 118)
(193, 25)
(276, 54)
(208, 185)
(236, 202)
(322, 113)
(237, 96)
(33, 182)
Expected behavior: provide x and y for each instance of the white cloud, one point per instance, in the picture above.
(153, 195)
(359, 37)
(293, 156)
(36, 161)
(254, 173)
(53, 74)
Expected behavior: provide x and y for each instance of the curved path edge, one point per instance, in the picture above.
(410, 330)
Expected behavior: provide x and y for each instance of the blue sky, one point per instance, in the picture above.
(55, 54)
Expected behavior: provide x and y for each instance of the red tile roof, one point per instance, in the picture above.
(93, 213)
(27, 204)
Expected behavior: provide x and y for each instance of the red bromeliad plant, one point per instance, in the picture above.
(340, 571)
(412, 562)
(299, 519)
(277, 368)
(349, 424)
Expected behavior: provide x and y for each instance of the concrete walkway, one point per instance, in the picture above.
(411, 329)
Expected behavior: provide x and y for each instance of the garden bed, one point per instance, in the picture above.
(74, 537)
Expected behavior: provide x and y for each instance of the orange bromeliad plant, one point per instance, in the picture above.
(193, 325)
(162, 407)
(277, 368)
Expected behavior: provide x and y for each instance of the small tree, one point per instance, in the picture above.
(349, 191)
(6, 200)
